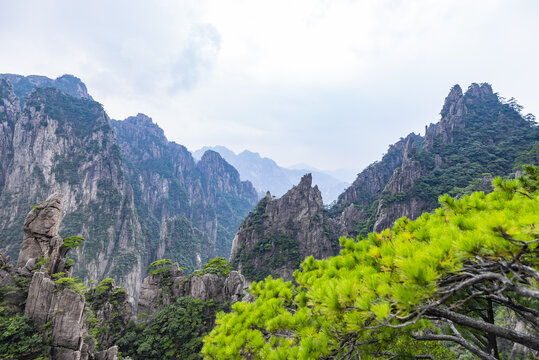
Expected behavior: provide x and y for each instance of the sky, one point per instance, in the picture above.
(326, 83)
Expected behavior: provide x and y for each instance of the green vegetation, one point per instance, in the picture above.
(74, 284)
(184, 241)
(75, 116)
(217, 266)
(176, 332)
(72, 242)
(123, 263)
(447, 277)
(160, 267)
(271, 253)
(494, 139)
(18, 339)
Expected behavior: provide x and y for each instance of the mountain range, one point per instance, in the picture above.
(137, 197)
(266, 175)
(134, 196)
(478, 137)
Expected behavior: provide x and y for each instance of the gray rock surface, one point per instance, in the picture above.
(234, 286)
(159, 291)
(109, 354)
(280, 233)
(41, 238)
(39, 299)
(58, 353)
(66, 314)
(400, 182)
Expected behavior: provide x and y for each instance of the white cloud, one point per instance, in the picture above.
(330, 83)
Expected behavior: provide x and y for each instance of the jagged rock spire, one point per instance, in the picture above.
(41, 239)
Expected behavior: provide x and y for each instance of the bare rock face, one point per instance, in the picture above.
(280, 233)
(67, 307)
(39, 299)
(402, 180)
(58, 313)
(41, 238)
(161, 290)
(207, 286)
(355, 208)
(234, 286)
(110, 354)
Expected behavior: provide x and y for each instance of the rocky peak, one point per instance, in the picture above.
(305, 182)
(142, 120)
(482, 91)
(68, 84)
(220, 175)
(452, 98)
(280, 233)
(161, 290)
(72, 85)
(455, 108)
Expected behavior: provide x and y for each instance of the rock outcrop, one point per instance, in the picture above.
(280, 233)
(41, 239)
(163, 289)
(402, 181)
(55, 311)
(54, 308)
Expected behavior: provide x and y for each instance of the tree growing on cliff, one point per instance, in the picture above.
(452, 277)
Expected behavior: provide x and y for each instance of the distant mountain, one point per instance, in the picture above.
(134, 196)
(266, 175)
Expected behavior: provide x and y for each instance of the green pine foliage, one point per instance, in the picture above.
(217, 266)
(176, 332)
(394, 294)
(18, 339)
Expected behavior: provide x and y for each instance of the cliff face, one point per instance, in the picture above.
(280, 233)
(133, 195)
(357, 206)
(192, 208)
(65, 144)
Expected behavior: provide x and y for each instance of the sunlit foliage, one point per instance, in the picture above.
(404, 291)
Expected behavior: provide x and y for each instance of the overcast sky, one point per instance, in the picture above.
(327, 83)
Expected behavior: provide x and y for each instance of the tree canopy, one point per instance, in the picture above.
(461, 276)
